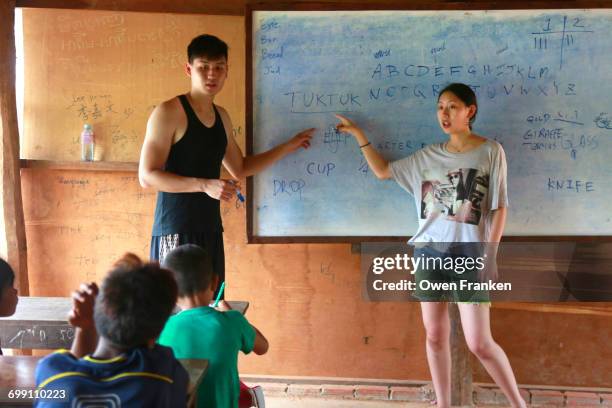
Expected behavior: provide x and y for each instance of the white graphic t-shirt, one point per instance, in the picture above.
(454, 192)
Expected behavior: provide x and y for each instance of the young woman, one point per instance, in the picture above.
(459, 189)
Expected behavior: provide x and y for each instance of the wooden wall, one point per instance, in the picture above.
(305, 298)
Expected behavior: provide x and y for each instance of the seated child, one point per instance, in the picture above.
(200, 331)
(126, 367)
(8, 294)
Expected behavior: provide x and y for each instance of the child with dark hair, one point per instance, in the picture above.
(125, 368)
(8, 294)
(200, 331)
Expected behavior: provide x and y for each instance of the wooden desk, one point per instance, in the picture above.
(16, 372)
(41, 323)
(196, 368)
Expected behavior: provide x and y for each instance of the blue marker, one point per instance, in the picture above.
(239, 194)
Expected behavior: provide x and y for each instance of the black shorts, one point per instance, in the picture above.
(438, 284)
(212, 242)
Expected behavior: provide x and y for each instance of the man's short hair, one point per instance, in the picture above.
(192, 268)
(134, 303)
(207, 46)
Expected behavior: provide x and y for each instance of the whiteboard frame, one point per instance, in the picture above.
(394, 5)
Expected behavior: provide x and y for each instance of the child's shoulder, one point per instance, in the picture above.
(60, 361)
(58, 357)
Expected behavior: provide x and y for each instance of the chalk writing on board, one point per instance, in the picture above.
(36, 334)
(72, 181)
(321, 101)
(386, 53)
(566, 34)
(603, 121)
(402, 92)
(83, 260)
(571, 185)
(326, 270)
(461, 70)
(363, 168)
(289, 187)
(399, 145)
(544, 117)
(119, 37)
(66, 334)
(118, 135)
(552, 139)
(90, 22)
(323, 169)
(269, 25)
(90, 107)
(67, 230)
(333, 139)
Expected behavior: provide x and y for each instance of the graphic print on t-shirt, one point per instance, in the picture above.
(457, 194)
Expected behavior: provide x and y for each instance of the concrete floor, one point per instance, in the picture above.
(296, 402)
(318, 402)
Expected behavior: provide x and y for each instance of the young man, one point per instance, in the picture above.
(188, 138)
(200, 331)
(124, 367)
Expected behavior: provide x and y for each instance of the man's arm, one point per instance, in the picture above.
(159, 137)
(240, 166)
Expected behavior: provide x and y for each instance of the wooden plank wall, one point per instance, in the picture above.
(305, 297)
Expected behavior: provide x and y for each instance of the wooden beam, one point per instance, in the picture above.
(13, 233)
(461, 362)
(131, 167)
(225, 7)
(237, 7)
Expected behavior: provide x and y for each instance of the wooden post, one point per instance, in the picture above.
(12, 234)
(461, 370)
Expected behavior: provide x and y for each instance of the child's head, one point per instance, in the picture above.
(8, 294)
(206, 46)
(134, 302)
(192, 269)
(463, 105)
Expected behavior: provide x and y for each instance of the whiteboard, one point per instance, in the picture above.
(543, 82)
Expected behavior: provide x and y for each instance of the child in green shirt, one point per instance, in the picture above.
(200, 331)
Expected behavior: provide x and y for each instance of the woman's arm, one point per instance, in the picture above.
(377, 163)
(498, 222)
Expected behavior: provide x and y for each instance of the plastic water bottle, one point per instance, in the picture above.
(87, 143)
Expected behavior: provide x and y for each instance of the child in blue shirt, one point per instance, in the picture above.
(126, 367)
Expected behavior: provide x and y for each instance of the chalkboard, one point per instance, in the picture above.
(543, 82)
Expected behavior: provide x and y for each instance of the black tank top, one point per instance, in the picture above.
(199, 153)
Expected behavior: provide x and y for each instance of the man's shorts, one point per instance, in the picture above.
(212, 242)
